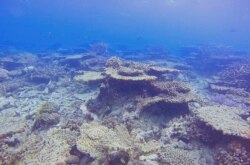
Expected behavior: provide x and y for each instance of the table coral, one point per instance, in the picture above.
(90, 77)
(225, 119)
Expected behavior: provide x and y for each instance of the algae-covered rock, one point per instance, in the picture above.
(46, 116)
(225, 119)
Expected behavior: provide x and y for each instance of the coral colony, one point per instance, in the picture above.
(95, 108)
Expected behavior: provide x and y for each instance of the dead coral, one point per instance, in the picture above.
(171, 88)
(129, 85)
(166, 103)
(51, 148)
(188, 128)
(125, 74)
(4, 74)
(46, 116)
(234, 152)
(12, 62)
(11, 126)
(100, 141)
(174, 156)
(158, 71)
(133, 71)
(236, 75)
(90, 77)
(224, 119)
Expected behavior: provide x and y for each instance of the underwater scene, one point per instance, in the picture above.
(124, 82)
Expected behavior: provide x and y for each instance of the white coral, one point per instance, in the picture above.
(225, 119)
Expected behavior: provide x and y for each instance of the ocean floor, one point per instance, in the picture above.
(96, 108)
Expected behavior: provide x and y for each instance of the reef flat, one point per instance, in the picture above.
(95, 108)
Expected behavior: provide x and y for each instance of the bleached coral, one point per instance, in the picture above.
(90, 76)
(46, 116)
(235, 152)
(173, 156)
(11, 125)
(51, 148)
(4, 74)
(98, 140)
(125, 74)
(224, 119)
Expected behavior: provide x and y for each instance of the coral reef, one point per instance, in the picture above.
(209, 59)
(74, 61)
(99, 48)
(225, 119)
(87, 109)
(4, 74)
(235, 152)
(50, 148)
(46, 116)
(100, 141)
(236, 75)
(188, 129)
(90, 77)
(11, 126)
(16, 61)
(132, 81)
(173, 156)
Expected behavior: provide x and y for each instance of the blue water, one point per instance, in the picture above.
(43, 24)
